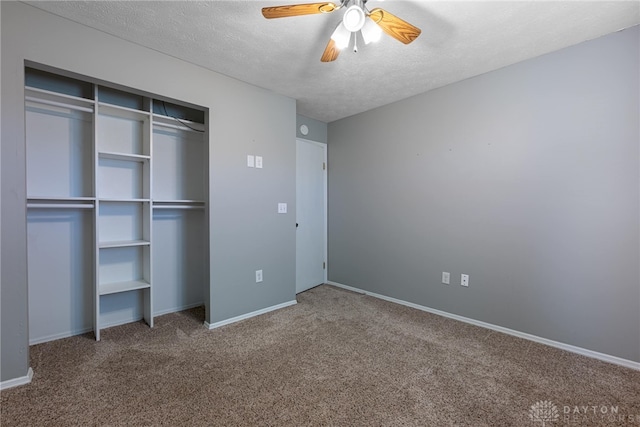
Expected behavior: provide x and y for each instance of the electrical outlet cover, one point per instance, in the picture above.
(464, 280)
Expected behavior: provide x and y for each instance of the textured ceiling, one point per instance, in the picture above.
(459, 40)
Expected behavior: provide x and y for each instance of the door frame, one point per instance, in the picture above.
(324, 147)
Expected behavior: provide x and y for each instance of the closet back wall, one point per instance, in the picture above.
(245, 233)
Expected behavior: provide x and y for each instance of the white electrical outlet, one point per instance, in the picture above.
(445, 277)
(464, 280)
(259, 162)
(282, 208)
(251, 161)
(258, 276)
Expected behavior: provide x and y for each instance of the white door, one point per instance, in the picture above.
(311, 212)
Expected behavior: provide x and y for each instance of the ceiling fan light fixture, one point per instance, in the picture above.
(341, 36)
(371, 32)
(354, 18)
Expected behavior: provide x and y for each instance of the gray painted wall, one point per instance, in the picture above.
(526, 178)
(246, 232)
(14, 333)
(317, 129)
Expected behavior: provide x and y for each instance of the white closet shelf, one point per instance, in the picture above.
(123, 200)
(114, 288)
(178, 207)
(178, 204)
(173, 123)
(61, 198)
(59, 104)
(122, 112)
(60, 205)
(183, 201)
(55, 99)
(60, 202)
(124, 156)
(36, 92)
(123, 244)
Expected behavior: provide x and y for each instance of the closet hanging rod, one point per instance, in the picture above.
(58, 104)
(39, 91)
(178, 202)
(177, 207)
(60, 205)
(172, 126)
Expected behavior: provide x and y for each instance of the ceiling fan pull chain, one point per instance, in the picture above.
(355, 42)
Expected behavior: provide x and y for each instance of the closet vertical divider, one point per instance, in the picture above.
(148, 213)
(96, 223)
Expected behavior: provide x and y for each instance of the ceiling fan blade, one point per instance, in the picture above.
(298, 9)
(331, 52)
(397, 28)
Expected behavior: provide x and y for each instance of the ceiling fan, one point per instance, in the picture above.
(354, 21)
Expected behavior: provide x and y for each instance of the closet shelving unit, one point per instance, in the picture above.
(123, 215)
(91, 149)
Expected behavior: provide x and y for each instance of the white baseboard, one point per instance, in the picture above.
(67, 334)
(53, 337)
(177, 309)
(15, 382)
(249, 315)
(568, 347)
(140, 316)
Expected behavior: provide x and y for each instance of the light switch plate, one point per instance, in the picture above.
(282, 208)
(258, 276)
(446, 277)
(250, 161)
(259, 162)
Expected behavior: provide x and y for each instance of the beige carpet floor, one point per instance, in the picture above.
(337, 359)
